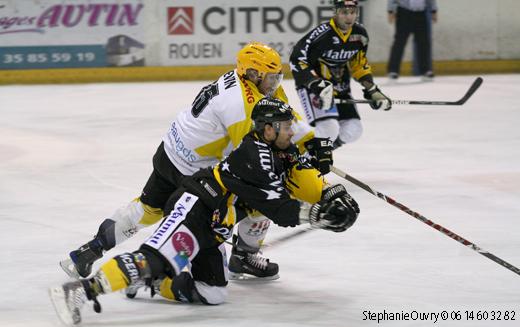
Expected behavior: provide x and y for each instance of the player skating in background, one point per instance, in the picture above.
(202, 134)
(185, 258)
(323, 62)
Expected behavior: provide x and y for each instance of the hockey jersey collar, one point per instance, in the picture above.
(343, 36)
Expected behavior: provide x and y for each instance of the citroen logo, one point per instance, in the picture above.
(180, 20)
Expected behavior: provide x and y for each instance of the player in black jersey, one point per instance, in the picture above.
(185, 258)
(323, 62)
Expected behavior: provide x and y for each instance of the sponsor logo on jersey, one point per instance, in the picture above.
(180, 20)
(266, 162)
(317, 32)
(180, 148)
(177, 212)
(130, 269)
(224, 231)
(342, 55)
(250, 97)
(314, 35)
(183, 243)
(215, 219)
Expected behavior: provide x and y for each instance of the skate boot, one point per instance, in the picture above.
(69, 298)
(81, 260)
(245, 265)
(152, 286)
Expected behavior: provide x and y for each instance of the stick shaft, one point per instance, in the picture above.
(472, 89)
(425, 220)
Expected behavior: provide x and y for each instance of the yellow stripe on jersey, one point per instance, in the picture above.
(280, 94)
(114, 276)
(216, 173)
(251, 96)
(239, 130)
(214, 149)
(359, 66)
(344, 37)
(231, 215)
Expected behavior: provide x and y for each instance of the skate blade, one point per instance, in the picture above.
(57, 296)
(69, 268)
(129, 292)
(241, 277)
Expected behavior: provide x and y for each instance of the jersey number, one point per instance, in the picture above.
(202, 99)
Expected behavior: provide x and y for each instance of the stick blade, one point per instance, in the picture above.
(472, 89)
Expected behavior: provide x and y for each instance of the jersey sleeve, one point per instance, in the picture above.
(300, 61)
(358, 65)
(249, 173)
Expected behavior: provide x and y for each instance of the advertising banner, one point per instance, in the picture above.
(74, 33)
(212, 32)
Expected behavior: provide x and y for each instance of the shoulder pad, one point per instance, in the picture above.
(359, 33)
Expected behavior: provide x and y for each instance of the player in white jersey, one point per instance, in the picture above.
(200, 136)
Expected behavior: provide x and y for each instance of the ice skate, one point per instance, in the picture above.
(80, 262)
(68, 301)
(247, 266)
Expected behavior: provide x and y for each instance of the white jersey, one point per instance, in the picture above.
(216, 122)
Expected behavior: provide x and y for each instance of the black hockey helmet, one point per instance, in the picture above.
(269, 111)
(344, 3)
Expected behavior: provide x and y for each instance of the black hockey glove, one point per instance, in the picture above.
(329, 216)
(323, 93)
(183, 287)
(338, 192)
(379, 99)
(320, 150)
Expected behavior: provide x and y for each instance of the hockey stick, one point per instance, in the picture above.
(285, 238)
(476, 84)
(288, 237)
(428, 222)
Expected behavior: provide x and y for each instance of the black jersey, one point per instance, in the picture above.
(255, 174)
(252, 178)
(331, 54)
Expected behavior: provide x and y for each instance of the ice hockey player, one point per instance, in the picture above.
(202, 134)
(322, 63)
(186, 253)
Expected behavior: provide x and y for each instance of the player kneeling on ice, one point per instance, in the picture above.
(185, 258)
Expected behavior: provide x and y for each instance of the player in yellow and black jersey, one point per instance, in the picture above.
(323, 63)
(185, 258)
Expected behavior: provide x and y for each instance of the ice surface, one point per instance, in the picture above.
(71, 154)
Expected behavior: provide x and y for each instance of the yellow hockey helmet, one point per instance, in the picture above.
(260, 57)
(305, 184)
